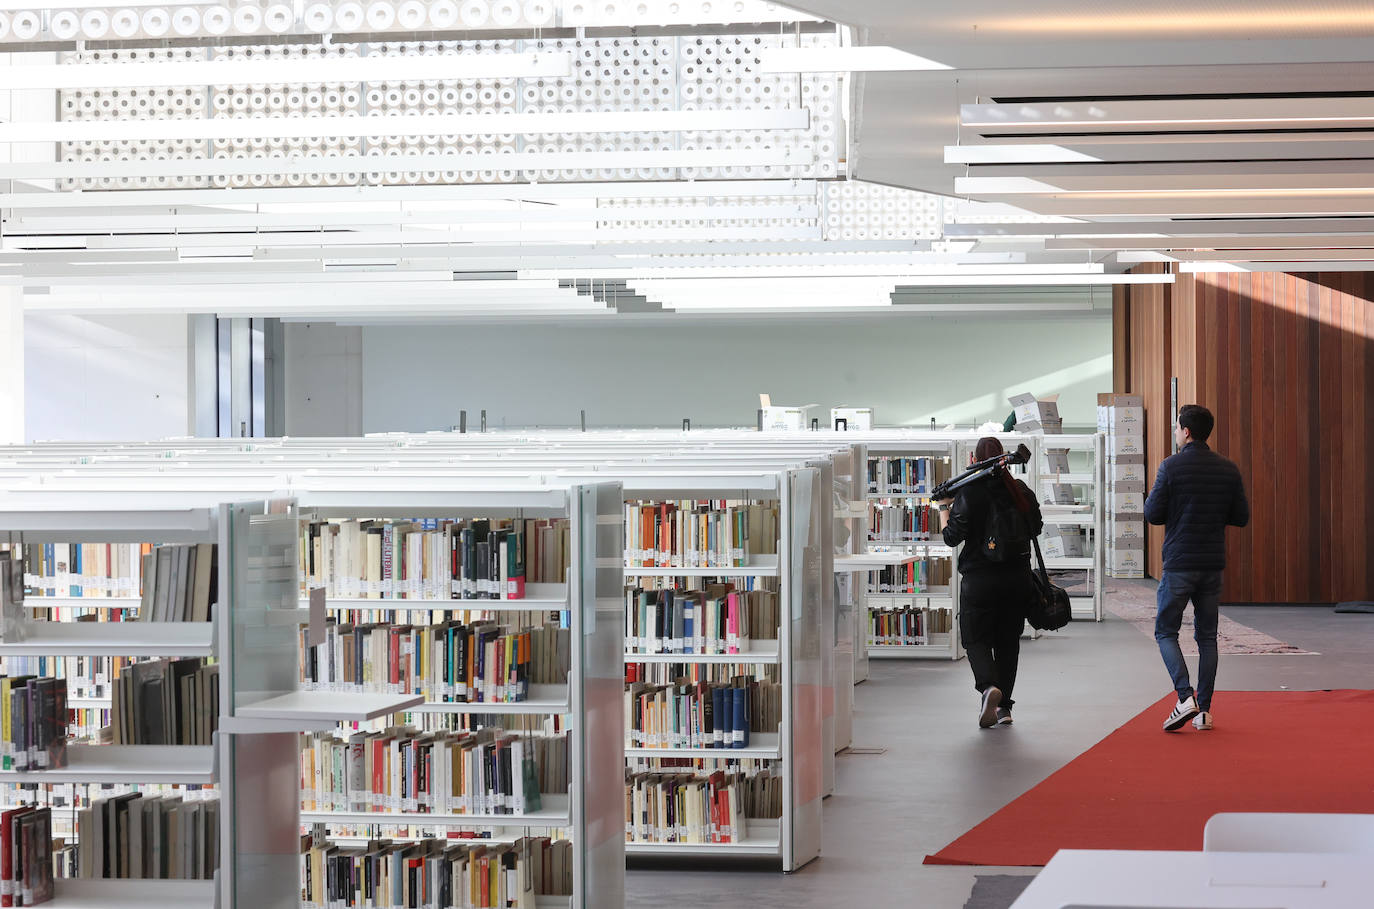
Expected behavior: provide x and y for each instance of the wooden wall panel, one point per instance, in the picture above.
(1286, 362)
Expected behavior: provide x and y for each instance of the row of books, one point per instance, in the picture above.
(180, 583)
(432, 559)
(86, 676)
(915, 522)
(146, 837)
(435, 874)
(698, 534)
(714, 673)
(33, 723)
(401, 769)
(717, 620)
(692, 808)
(700, 715)
(906, 476)
(83, 569)
(14, 619)
(913, 577)
(26, 856)
(175, 582)
(907, 625)
(451, 662)
(165, 702)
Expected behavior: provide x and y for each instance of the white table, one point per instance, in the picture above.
(1201, 880)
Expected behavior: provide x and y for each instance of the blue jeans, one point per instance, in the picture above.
(1176, 588)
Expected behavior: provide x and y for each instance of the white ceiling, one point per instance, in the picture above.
(1059, 53)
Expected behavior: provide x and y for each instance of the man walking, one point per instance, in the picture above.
(1197, 493)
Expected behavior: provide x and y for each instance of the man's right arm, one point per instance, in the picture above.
(1157, 505)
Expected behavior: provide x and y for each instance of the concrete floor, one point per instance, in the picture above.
(941, 774)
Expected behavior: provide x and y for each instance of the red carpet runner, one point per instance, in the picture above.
(1142, 788)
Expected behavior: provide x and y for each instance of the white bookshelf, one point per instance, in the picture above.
(108, 513)
(106, 639)
(796, 651)
(591, 813)
(1087, 513)
(74, 893)
(98, 764)
(942, 597)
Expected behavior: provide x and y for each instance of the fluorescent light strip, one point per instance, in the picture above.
(1206, 227)
(160, 219)
(296, 71)
(369, 164)
(1330, 242)
(870, 59)
(1347, 265)
(1015, 154)
(403, 125)
(1246, 255)
(356, 195)
(805, 277)
(1183, 113)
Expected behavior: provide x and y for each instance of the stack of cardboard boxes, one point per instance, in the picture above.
(1122, 418)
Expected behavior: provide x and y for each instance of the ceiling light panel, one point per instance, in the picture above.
(1178, 114)
(68, 21)
(695, 90)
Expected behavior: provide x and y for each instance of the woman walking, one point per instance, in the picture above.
(995, 518)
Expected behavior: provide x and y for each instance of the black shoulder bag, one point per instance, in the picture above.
(1048, 609)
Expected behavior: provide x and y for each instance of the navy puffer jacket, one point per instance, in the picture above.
(1197, 493)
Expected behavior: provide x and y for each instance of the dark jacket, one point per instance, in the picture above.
(968, 516)
(1197, 493)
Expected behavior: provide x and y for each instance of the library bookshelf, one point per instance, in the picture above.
(921, 621)
(263, 711)
(794, 571)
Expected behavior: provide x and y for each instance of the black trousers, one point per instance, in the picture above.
(991, 618)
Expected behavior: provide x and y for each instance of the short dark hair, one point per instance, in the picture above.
(1197, 419)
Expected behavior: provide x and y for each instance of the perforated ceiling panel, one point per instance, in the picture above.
(610, 74)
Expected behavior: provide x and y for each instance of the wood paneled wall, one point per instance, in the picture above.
(1286, 363)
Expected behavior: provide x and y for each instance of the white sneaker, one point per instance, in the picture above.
(1203, 721)
(987, 714)
(1184, 711)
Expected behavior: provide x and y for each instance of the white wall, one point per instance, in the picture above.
(654, 373)
(105, 378)
(324, 380)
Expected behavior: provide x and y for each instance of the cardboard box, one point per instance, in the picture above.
(1128, 560)
(855, 418)
(1114, 400)
(1114, 459)
(1041, 427)
(1128, 501)
(1029, 410)
(1126, 533)
(1126, 445)
(779, 418)
(1126, 420)
(1118, 473)
(1126, 486)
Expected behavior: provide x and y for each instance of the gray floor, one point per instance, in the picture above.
(941, 774)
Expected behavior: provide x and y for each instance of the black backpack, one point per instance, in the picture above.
(1005, 537)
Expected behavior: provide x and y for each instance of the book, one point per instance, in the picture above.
(482, 772)
(165, 702)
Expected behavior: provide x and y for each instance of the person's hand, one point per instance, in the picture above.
(943, 502)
